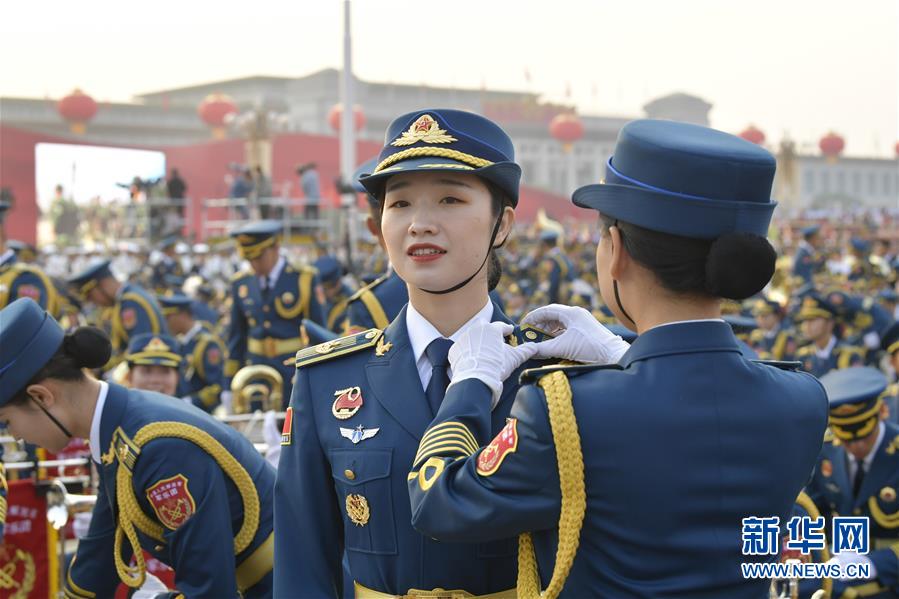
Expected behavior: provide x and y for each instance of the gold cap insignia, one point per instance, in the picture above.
(157, 344)
(888, 494)
(424, 129)
(245, 239)
(357, 509)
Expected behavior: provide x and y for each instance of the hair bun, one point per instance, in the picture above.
(88, 346)
(739, 265)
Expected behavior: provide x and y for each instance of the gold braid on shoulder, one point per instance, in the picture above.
(574, 498)
(131, 516)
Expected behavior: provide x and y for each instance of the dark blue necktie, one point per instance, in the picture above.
(438, 355)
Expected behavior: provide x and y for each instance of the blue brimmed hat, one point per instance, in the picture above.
(442, 139)
(28, 339)
(685, 180)
(172, 304)
(254, 238)
(766, 305)
(855, 400)
(329, 269)
(815, 306)
(149, 349)
(87, 279)
(317, 333)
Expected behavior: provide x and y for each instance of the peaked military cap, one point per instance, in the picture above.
(766, 306)
(87, 279)
(442, 139)
(810, 230)
(329, 269)
(172, 304)
(855, 399)
(316, 333)
(151, 349)
(29, 337)
(685, 180)
(815, 306)
(889, 339)
(254, 238)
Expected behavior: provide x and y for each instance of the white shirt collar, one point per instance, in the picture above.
(665, 324)
(825, 353)
(95, 422)
(186, 337)
(421, 333)
(275, 273)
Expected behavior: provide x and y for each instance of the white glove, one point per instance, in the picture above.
(271, 434)
(845, 558)
(482, 353)
(226, 398)
(583, 338)
(151, 588)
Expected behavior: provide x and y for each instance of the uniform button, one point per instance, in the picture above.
(531, 335)
(349, 474)
(265, 308)
(159, 548)
(267, 324)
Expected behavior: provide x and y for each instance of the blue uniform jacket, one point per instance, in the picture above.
(680, 443)
(336, 309)
(266, 330)
(806, 262)
(135, 312)
(376, 304)
(841, 356)
(199, 517)
(561, 271)
(324, 477)
(204, 368)
(18, 279)
(831, 490)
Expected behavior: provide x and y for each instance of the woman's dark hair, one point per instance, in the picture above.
(85, 347)
(498, 202)
(733, 266)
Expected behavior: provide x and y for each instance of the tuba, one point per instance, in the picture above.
(256, 387)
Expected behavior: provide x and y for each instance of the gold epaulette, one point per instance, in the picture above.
(240, 274)
(569, 369)
(368, 287)
(805, 350)
(338, 347)
(527, 334)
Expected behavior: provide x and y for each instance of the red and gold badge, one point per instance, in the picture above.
(172, 501)
(288, 427)
(506, 442)
(214, 355)
(129, 318)
(347, 403)
(29, 291)
(826, 468)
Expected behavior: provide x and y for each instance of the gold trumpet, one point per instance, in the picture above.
(62, 505)
(256, 387)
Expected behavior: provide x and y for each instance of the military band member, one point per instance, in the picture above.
(168, 270)
(133, 310)
(268, 304)
(337, 293)
(21, 279)
(154, 363)
(771, 340)
(556, 270)
(817, 319)
(592, 513)
(361, 403)
(858, 474)
(204, 353)
(808, 261)
(174, 481)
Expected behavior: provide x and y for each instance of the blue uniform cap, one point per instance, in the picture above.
(364, 169)
(254, 238)
(172, 304)
(549, 235)
(815, 306)
(87, 279)
(441, 139)
(859, 244)
(29, 337)
(685, 180)
(149, 349)
(889, 339)
(855, 400)
(317, 333)
(329, 269)
(810, 230)
(766, 306)
(168, 242)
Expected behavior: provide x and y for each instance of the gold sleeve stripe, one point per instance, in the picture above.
(447, 451)
(443, 426)
(456, 439)
(74, 588)
(451, 435)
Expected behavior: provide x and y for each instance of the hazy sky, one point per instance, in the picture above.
(802, 67)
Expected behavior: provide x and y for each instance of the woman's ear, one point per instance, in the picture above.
(620, 259)
(507, 221)
(375, 230)
(41, 394)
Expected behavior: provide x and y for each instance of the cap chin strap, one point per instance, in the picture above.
(469, 279)
(52, 417)
(615, 287)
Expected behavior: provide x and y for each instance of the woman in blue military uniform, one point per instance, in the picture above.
(174, 481)
(635, 477)
(447, 185)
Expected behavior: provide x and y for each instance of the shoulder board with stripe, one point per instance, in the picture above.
(571, 370)
(337, 347)
(527, 334)
(783, 365)
(368, 287)
(240, 275)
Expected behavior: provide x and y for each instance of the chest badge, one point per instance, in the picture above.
(826, 468)
(242, 291)
(888, 494)
(358, 434)
(357, 509)
(347, 403)
(287, 297)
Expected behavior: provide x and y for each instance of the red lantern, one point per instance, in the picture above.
(753, 134)
(77, 108)
(335, 117)
(567, 128)
(214, 110)
(831, 146)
